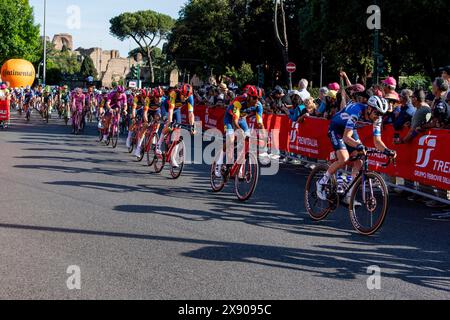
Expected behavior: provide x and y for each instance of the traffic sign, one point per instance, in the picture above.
(291, 67)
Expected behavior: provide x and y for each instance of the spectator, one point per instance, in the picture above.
(405, 111)
(222, 95)
(330, 105)
(420, 118)
(389, 85)
(440, 108)
(212, 96)
(445, 73)
(446, 76)
(303, 89)
(429, 99)
(298, 109)
(275, 101)
(393, 100)
(320, 102)
(311, 107)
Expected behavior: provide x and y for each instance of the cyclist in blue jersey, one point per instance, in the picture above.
(345, 140)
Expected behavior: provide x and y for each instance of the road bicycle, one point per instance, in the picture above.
(113, 130)
(244, 171)
(77, 120)
(174, 151)
(369, 196)
(150, 142)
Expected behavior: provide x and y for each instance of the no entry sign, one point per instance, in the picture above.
(291, 67)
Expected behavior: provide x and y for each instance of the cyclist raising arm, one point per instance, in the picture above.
(345, 140)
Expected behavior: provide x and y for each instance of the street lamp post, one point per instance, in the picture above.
(322, 61)
(376, 53)
(45, 44)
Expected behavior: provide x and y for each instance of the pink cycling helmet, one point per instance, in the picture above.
(120, 89)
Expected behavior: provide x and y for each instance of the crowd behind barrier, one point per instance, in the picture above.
(424, 162)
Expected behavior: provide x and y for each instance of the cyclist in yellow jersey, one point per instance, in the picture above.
(178, 99)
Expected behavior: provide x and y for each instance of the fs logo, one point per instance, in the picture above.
(294, 129)
(423, 155)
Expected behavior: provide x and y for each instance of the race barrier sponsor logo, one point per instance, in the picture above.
(423, 155)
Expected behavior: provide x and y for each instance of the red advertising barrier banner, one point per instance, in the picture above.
(425, 160)
(4, 110)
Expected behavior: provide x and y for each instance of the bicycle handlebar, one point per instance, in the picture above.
(372, 151)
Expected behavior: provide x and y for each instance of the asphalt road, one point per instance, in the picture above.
(66, 200)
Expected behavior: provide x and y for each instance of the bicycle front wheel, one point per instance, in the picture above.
(150, 147)
(115, 138)
(369, 203)
(178, 159)
(247, 177)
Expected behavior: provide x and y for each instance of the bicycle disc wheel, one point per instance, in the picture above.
(217, 184)
(319, 209)
(150, 146)
(179, 157)
(247, 177)
(369, 203)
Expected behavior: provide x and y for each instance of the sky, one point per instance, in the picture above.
(94, 15)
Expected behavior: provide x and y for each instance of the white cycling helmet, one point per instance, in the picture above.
(378, 103)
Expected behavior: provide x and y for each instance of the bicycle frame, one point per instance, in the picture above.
(238, 163)
(362, 173)
(114, 122)
(150, 132)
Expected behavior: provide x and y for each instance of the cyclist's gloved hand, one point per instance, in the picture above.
(390, 153)
(361, 148)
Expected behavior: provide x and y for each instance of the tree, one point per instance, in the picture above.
(61, 65)
(147, 28)
(242, 76)
(19, 35)
(87, 68)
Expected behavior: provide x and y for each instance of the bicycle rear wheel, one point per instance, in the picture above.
(159, 162)
(247, 177)
(369, 203)
(217, 184)
(319, 209)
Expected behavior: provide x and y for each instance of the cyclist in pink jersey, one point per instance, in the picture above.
(78, 104)
(115, 102)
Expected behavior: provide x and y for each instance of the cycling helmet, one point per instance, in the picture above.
(246, 88)
(378, 103)
(120, 89)
(252, 92)
(157, 92)
(186, 90)
(144, 93)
